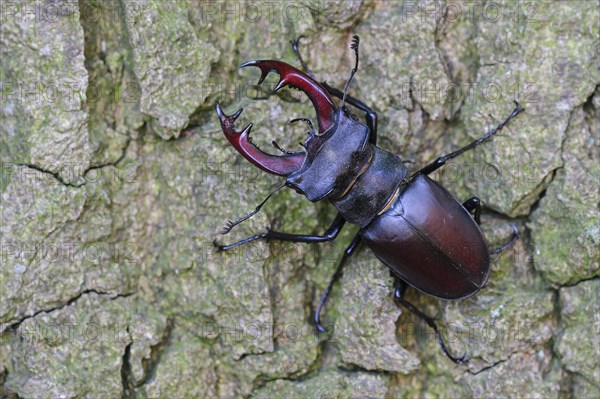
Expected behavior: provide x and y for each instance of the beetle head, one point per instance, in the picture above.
(330, 156)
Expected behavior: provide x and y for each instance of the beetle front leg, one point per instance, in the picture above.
(399, 297)
(295, 43)
(370, 115)
(330, 234)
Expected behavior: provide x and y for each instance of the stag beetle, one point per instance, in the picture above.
(413, 225)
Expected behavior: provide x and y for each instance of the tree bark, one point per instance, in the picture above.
(116, 180)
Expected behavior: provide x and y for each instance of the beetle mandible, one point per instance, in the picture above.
(412, 224)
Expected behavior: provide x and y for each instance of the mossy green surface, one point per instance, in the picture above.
(578, 344)
(111, 201)
(44, 82)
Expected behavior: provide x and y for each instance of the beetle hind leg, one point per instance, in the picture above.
(515, 237)
(473, 205)
(399, 297)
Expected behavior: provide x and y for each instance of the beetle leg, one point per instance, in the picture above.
(441, 161)
(370, 115)
(473, 205)
(399, 297)
(508, 244)
(296, 51)
(354, 245)
(330, 235)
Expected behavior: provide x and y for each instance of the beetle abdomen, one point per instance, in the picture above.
(431, 242)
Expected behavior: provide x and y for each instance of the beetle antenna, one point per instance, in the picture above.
(353, 46)
(230, 225)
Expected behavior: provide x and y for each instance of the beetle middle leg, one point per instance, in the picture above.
(441, 161)
(399, 297)
(330, 234)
